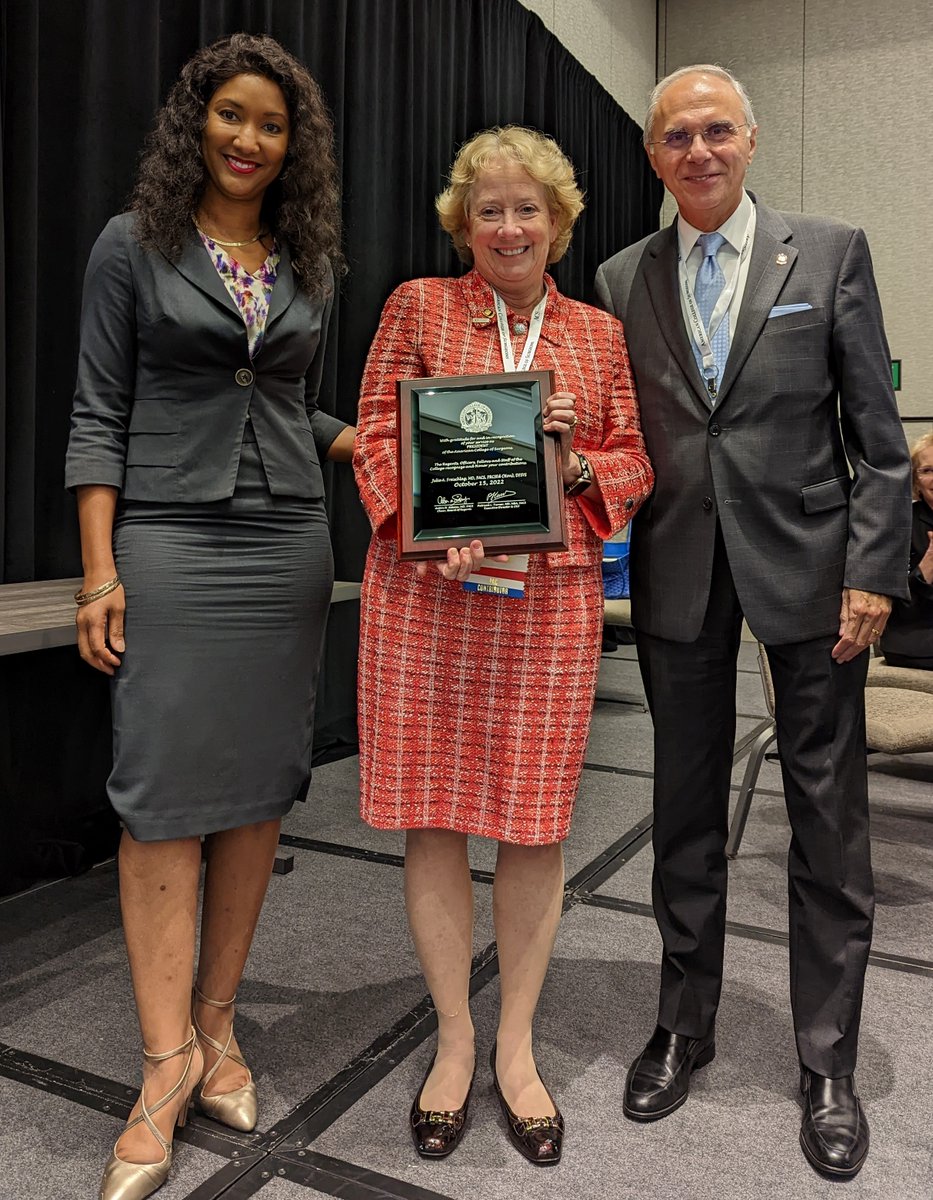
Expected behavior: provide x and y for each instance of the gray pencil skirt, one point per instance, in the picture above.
(213, 705)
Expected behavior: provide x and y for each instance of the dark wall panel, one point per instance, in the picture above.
(407, 81)
(80, 81)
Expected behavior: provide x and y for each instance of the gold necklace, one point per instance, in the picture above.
(235, 245)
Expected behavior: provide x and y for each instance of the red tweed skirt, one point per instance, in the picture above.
(475, 709)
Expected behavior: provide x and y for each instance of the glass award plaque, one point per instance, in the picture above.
(475, 462)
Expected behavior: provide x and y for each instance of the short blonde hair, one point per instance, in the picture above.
(540, 156)
(922, 443)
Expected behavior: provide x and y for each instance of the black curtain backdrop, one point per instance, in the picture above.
(80, 81)
(407, 81)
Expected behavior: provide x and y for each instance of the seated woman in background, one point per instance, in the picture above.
(907, 640)
(475, 709)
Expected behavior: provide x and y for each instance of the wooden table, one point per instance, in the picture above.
(55, 730)
(37, 616)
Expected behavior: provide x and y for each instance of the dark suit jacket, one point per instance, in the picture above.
(909, 631)
(165, 382)
(771, 460)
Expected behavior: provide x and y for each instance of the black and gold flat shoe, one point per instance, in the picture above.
(437, 1132)
(539, 1139)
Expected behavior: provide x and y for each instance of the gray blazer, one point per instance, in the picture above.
(165, 384)
(805, 396)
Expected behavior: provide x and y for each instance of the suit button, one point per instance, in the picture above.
(714, 430)
(707, 503)
(244, 377)
(629, 504)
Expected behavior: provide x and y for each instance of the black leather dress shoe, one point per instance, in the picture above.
(834, 1131)
(659, 1079)
(435, 1132)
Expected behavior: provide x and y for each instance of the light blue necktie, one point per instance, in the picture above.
(709, 284)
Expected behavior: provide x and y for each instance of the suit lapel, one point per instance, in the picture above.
(285, 287)
(661, 279)
(196, 266)
(770, 265)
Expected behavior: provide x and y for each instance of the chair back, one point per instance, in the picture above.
(767, 683)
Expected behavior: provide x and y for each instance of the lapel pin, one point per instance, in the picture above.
(781, 259)
(480, 321)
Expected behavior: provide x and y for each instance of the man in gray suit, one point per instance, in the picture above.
(782, 494)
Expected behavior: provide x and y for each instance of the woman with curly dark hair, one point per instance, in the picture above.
(195, 453)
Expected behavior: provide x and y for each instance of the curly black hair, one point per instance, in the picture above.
(302, 205)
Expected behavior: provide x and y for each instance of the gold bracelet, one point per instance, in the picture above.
(82, 598)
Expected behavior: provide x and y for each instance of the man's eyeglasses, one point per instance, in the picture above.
(716, 134)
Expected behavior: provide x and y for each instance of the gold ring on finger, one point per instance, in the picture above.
(876, 632)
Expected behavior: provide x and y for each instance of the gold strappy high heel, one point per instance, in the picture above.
(238, 1109)
(134, 1181)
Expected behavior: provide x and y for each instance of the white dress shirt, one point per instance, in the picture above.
(734, 229)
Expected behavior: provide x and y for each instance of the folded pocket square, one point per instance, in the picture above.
(781, 310)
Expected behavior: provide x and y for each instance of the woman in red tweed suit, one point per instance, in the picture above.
(475, 709)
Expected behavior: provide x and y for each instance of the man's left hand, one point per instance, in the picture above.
(862, 619)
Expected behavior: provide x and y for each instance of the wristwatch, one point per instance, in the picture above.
(585, 478)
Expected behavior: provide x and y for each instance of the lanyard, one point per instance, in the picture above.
(505, 337)
(701, 336)
(517, 565)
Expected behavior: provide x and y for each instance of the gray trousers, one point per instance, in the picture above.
(821, 738)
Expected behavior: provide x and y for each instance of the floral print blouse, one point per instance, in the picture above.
(250, 293)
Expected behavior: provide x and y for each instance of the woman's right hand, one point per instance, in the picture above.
(100, 623)
(460, 563)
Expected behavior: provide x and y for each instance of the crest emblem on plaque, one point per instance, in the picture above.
(476, 418)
